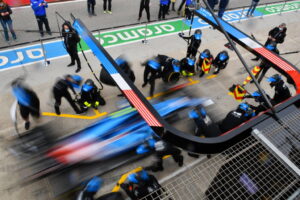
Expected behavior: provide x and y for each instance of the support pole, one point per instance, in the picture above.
(241, 58)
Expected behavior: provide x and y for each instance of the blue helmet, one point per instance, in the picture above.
(274, 78)
(244, 106)
(223, 55)
(94, 184)
(176, 65)
(190, 61)
(120, 61)
(143, 175)
(132, 178)
(205, 54)
(88, 85)
(198, 34)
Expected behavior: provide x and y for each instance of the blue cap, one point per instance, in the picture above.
(132, 178)
(87, 87)
(22, 96)
(223, 56)
(256, 94)
(94, 184)
(191, 62)
(197, 36)
(154, 64)
(120, 61)
(244, 106)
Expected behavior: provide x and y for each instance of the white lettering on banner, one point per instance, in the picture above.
(3, 60)
(142, 32)
(113, 37)
(32, 56)
(234, 15)
(101, 41)
(158, 30)
(167, 27)
(128, 36)
(19, 59)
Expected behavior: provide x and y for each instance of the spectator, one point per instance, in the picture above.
(144, 5)
(173, 5)
(91, 7)
(6, 20)
(105, 6)
(180, 6)
(163, 8)
(222, 6)
(252, 7)
(39, 8)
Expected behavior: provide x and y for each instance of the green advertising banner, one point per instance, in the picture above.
(277, 8)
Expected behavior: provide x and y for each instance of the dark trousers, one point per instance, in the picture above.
(91, 6)
(146, 7)
(5, 24)
(151, 80)
(72, 51)
(162, 11)
(43, 20)
(33, 110)
(105, 4)
(58, 94)
(181, 5)
(211, 3)
(191, 52)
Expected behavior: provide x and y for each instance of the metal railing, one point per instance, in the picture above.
(248, 170)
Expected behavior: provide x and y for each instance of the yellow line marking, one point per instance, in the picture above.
(74, 116)
(190, 79)
(167, 156)
(124, 177)
(211, 76)
(96, 111)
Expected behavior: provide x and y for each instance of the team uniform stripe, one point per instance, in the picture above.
(120, 81)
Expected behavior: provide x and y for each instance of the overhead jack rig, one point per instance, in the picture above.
(168, 132)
